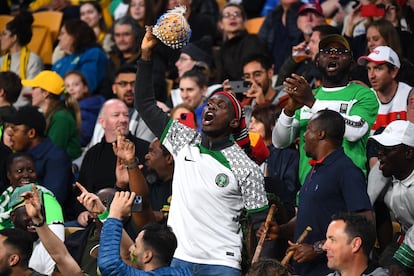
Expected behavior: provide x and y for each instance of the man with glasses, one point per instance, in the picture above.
(258, 70)
(302, 60)
(395, 146)
(357, 104)
(123, 89)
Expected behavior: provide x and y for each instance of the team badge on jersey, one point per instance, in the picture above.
(222, 180)
(343, 108)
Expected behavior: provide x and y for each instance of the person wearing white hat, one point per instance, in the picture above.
(395, 146)
(383, 65)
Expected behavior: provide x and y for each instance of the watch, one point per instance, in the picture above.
(133, 165)
(39, 224)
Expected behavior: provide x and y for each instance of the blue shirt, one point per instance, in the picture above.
(110, 262)
(53, 169)
(335, 185)
(91, 63)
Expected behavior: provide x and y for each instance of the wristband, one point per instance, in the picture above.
(39, 224)
(104, 215)
(133, 165)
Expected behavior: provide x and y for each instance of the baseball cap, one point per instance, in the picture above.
(334, 38)
(315, 7)
(396, 133)
(381, 55)
(47, 80)
(29, 116)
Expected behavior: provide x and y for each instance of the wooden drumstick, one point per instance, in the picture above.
(259, 246)
(302, 237)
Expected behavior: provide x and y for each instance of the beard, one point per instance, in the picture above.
(5, 271)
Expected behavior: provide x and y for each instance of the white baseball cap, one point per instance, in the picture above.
(381, 55)
(396, 133)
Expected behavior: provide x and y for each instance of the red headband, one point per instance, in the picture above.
(234, 101)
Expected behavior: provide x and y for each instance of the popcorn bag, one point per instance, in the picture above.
(172, 28)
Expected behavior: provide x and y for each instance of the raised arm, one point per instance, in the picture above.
(54, 246)
(125, 151)
(109, 259)
(94, 205)
(145, 102)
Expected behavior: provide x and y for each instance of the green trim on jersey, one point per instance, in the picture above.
(166, 129)
(253, 211)
(217, 155)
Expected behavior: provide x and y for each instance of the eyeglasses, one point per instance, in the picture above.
(336, 51)
(231, 14)
(125, 83)
(385, 150)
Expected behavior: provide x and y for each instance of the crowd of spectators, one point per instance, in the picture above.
(162, 164)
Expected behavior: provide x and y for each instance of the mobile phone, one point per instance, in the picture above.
(372, 10)
(187, 118)
(137, 204)
(135, 207)
(240, 86)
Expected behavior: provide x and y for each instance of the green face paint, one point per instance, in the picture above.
(133, 257)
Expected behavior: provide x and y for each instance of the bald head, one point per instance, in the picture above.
(114, 118)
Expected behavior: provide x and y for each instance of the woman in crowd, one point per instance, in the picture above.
(82, 53)
(141, 11)
(91, 13)
(195, 55)
(20, 169)
(382, 33)
(62, 116)
(237, 43)
(17, 57)
(193, 88)
(77, 86)
(14, 39)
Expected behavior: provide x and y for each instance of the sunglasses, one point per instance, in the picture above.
(336, 51)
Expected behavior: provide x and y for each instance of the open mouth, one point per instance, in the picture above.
(208, 118)
(332, 66)
(31, 228)
(25, 181)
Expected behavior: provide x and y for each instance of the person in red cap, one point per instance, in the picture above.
(214, 179)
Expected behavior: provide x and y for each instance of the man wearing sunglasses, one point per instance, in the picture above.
(357, 104)
(395, 146)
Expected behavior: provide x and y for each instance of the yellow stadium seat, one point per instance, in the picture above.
(42, 43)
(49, 19)
(253, 25)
